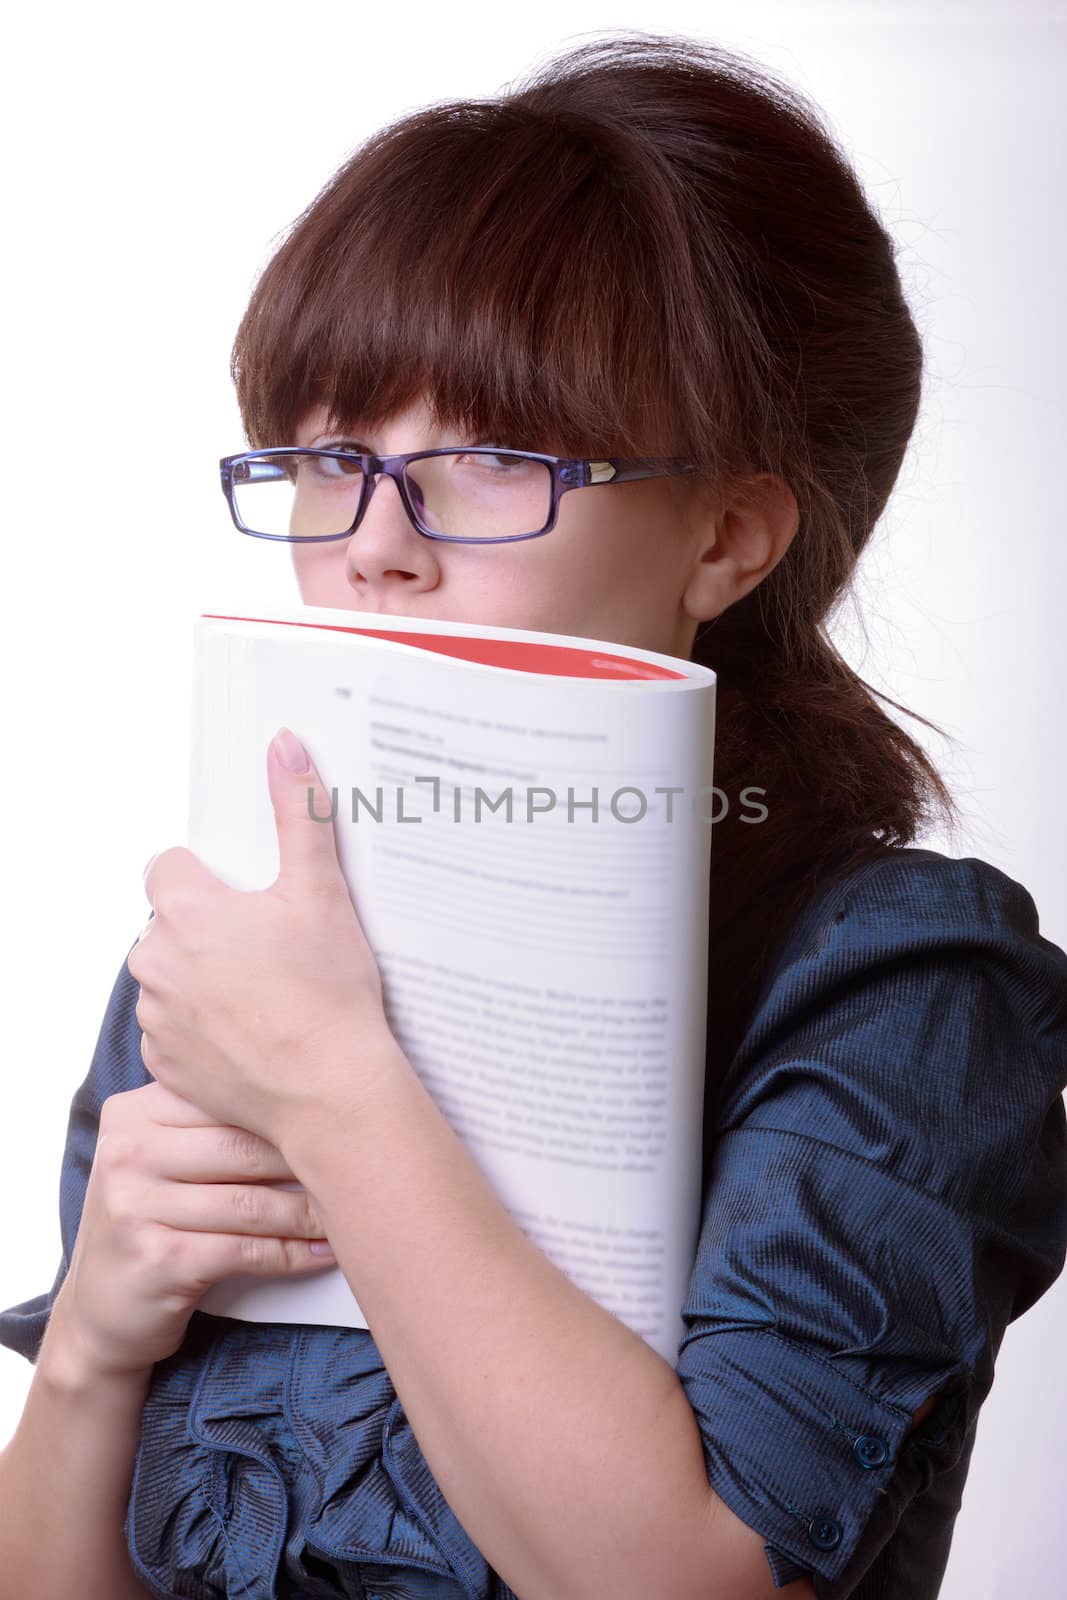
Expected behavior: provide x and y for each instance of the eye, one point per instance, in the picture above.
(327, 467)
(345, 444)
(495, 461)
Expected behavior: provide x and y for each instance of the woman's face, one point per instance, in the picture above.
(626, 563)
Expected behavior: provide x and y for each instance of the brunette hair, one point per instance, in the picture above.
(648, 246)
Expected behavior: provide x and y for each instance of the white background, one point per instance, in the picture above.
(153, 158)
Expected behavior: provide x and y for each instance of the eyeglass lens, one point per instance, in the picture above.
(464, 495)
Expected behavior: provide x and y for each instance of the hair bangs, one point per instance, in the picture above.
(487, 260)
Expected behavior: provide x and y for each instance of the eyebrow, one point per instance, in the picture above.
(350, 435)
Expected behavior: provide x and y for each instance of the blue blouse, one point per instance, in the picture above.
(887, 1191)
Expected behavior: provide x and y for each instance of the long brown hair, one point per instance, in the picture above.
(647, 246)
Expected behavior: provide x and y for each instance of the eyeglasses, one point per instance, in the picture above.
(481, 495)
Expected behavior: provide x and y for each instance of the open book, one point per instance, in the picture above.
(523, 821)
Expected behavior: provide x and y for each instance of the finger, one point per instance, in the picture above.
(224, 1254)
(303, 815)
(156, 1103)
(175, 877)
(202, 1152)
(236, 1208)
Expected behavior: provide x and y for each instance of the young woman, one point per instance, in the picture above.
(650, 249)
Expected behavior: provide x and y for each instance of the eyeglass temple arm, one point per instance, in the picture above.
(637, 467)
(257, 472)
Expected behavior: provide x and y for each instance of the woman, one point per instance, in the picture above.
(649, 249)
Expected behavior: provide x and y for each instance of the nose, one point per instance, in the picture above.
(384, 550)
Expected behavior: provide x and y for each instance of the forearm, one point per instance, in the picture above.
(65, 1479)
(562, 1441)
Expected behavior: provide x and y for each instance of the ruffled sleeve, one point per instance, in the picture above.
(888, 1190)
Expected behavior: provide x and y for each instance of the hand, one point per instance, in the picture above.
(255, 1003)
(174, 1204)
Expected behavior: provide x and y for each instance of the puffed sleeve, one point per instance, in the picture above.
(116, 1066)
(887, 1191)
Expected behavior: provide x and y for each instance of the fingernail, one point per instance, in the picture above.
(290, 752)
(321, 1247)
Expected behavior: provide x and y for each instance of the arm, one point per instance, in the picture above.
(65, 1474)
(65, 1478)
(563, 1442)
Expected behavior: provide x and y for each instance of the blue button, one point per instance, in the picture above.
(824, 1533)
(870, 1451)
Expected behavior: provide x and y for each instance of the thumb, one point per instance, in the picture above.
(303, 815)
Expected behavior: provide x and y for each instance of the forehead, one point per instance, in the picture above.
(414, 422)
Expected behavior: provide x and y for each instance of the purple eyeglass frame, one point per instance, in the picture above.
(566, 473)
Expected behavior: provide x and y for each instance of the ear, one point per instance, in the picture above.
(738, 543)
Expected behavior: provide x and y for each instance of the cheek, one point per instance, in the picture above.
(561, 579)
(319, 570)
(608, 545)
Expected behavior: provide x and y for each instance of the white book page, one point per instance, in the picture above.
(545, 975)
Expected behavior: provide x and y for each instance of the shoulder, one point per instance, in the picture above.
(919, 894)
(906, 996)
(924, 919)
